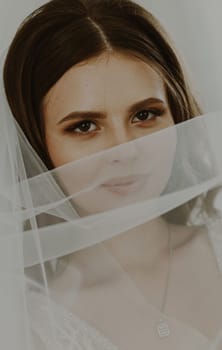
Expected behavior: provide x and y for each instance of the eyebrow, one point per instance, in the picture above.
(99, 115)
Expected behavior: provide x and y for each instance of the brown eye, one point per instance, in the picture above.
(83, 127)
(145, 115)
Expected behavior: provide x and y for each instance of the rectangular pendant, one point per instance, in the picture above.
(163, 329)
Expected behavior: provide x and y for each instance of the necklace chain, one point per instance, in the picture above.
(163, 327)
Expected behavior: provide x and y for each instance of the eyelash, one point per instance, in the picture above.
(71, 129)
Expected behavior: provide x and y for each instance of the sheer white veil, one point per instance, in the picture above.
(68, 238)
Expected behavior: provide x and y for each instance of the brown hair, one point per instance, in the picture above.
(63, 33)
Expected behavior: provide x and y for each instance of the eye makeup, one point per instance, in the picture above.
(88, 126)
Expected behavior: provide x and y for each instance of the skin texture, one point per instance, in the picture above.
(109, 84)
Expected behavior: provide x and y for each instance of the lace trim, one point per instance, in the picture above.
(59, 329)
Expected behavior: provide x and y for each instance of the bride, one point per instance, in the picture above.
(115, 153)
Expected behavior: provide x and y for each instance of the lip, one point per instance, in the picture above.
(125, 185)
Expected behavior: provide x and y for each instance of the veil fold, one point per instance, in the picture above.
(80, 244)
(120, 250)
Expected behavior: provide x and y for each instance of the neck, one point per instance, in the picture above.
(142, 245)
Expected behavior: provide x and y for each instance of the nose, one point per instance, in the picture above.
(122, 136)
(123, 155)
(126, 150)
(119, 135)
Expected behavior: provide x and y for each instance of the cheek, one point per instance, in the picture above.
(59, 151)
(64, 148)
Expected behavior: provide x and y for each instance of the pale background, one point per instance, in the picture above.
(194, 25)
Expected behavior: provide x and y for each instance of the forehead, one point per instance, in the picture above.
(108, 81)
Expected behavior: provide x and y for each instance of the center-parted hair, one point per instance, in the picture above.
(63, 33)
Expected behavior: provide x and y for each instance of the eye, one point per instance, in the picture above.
(83, 127)
(147, 114)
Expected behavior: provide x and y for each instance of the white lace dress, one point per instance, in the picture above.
(71, 333)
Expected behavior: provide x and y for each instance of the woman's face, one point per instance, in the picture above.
(104, 102)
